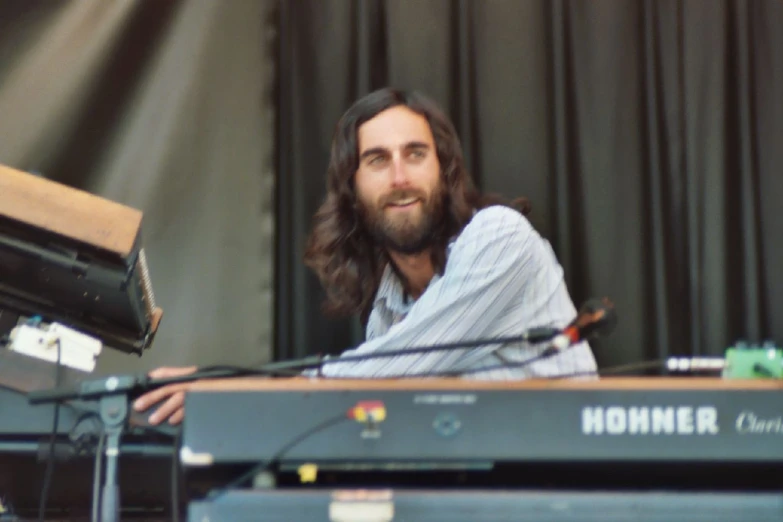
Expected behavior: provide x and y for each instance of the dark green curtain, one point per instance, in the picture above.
(646, 133)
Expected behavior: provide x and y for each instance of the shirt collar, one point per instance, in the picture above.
(391, 293)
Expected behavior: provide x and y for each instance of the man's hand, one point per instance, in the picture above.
(174, 407)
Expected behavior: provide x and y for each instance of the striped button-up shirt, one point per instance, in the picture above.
(501, 278)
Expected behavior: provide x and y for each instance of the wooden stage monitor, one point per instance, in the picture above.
(75, 258)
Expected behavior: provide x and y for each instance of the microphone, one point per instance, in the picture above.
(596, 318)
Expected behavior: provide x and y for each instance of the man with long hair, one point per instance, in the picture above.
(405, 241)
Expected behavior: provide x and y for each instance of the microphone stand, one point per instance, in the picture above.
(114, 415)
(114, 394)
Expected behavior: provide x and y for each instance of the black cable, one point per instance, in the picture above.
(534, 335)
(268, 370)
(282, 368)
(50, 461)
(546, 354)
(264, 466)
(433, 348)
(656, 363)
(239, 371)
(175, 477)
(249, 371)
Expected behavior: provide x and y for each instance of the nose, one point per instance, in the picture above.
(400, 175)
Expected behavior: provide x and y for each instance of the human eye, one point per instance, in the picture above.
(377, 161)
(418, 153)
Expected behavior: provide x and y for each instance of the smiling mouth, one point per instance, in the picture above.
(404, 203)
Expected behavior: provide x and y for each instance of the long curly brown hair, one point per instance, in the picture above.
(340, 250)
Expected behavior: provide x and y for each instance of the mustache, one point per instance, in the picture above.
(401, 195)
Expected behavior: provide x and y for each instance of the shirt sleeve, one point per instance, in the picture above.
(498, 258)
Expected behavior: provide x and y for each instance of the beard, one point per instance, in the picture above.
(407, 232)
